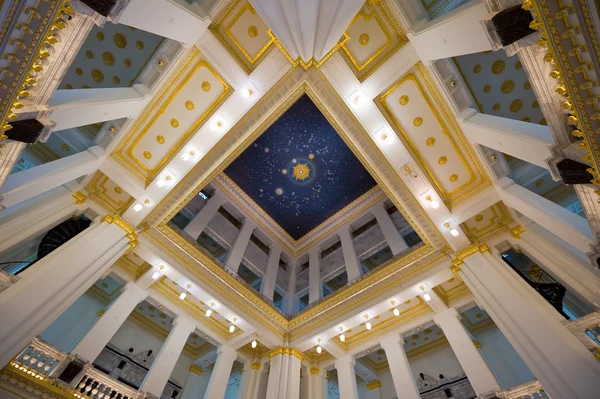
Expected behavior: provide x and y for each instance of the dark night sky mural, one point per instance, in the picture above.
(300, 171)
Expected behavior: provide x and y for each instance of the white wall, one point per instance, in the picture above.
(504, 362)
(70, 327)
(436, 362)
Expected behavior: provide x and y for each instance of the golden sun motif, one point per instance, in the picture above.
(301, 172)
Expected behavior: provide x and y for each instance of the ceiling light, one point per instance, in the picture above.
(434, 204)
(155, 275)
(396, 312)
(454, 232)
(208, 312)
(319, 349)
(182, 296)
(246, 93)
(160, 183)
(231, 328)
(217, 124)
(427, 297)
(342, 337)
(368, 325)
(254, 343)
(189, 154)
(137, 207)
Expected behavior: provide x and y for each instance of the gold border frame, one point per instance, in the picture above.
(252, 60)
(366, 17)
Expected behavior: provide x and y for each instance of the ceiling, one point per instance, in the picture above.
(500, 86)
(300, 171)
(111, 56)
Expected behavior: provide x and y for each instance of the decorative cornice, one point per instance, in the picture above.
(286, 350)
(314, 371)
(255, 366)
(195, 369)
(129, 229)
(79, 197)
(517, 231)
(477, 344)
(277, 351)
(374, 385)
(297, 353)
(455, 269)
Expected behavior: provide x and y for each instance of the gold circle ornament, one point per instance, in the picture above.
(174, 123)
(535, 104)
(453, 178)
(85, 87)
(543, 121)
(478, 218)
(65, 147)
(69, 86)
(116, 80)
(97, 75)
(527, 85)
(118, 190)
(108, 58)
(89, 54)
(487, 88)
(79, 71)
(507, 86)
(363, 39)
(127, 63)
(516, 105)
(139, 44)
(430, 142)
(206, 86)
(498, 67)
(147, 154)
(301, 172)
(526, 119)
(477, 68)
(539, 182)
(160, 139)
(518, 66)
(311, 156)
(403, 100)
(100, 36)
(120, 40)
(496, 107)
(189, 105)
(418, 121)
(442, 160)
(252, 31)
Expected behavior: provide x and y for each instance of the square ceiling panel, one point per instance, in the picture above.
(300, 171)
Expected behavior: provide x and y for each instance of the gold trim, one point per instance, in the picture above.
(312, 62)
(314, 371)
(366, 17)
(196, 370)
(99, 193)
(79, 197)
(517, 231)
(373, 385)
(255, 366)
(250, 58)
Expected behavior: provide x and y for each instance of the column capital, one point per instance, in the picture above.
(129, 229)
(391, 340)
(314, 371)
(255, 366)
(348, 359)
(196, 370)
(374, 385)
(184, 322)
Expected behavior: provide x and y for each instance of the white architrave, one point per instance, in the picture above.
(391, 233)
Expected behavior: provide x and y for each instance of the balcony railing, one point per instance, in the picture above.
(587, 330)
(529, 390)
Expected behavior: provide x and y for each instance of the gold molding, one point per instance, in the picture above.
(373, 385)
(251, 59)
(314, 371)
(79, 197)
(373, 15)
(498, 224)
(129, 230)
(195, 369)
(312, 62)
(255, 366)
(99, 193)
(517, 231)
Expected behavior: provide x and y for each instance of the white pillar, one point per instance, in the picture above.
(236, 253)
(346, 377)
(100, 334)
(350, 258)
(477, 371)
(49, 287)
(391, 233)
(206, 214)
(251, 381)
(315, 286)
(27, 184)
(566, 369)
(402, 374)
(374, 390)
(80, 107)
(221, 372)
(167, 357)
(277, 365)
(294, 369)
(291, 291)
(174, 19)
(566, 225)
(456, 33)
(267, 285)
(317, 378)
(527, 141)
(196, 383)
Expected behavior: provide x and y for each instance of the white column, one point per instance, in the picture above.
(402, 374)
(236, 253)
(221, 372)
(566, 225)
(9, 155)
(374, 390)
(391, 233)
(251, 381)
(276, 364)
(350, 258)
(267, 285)
(100, 334)
(291, 292)
(346, 377)
(36, 216)
(206, 214)
(566, 369)
(175, 19)
(80, 107)
(49, 287)
(27, 184)
(196, 383)
(479, 374)
(315, 286)
(527, 141)
(293, 385)
(456, 33)
(167, 357)
(316, 379)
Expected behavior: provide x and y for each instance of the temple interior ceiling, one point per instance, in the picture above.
(112, 56)
(488, 223)
(108, 194)
(500, 86)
